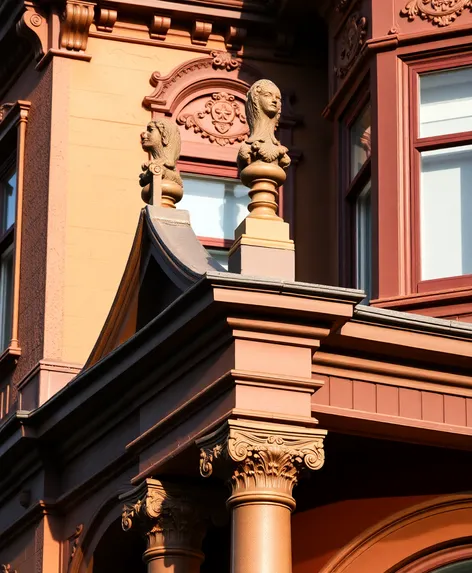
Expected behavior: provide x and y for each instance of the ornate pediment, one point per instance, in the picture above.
(206, 97)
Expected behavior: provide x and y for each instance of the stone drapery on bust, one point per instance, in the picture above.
(263, 109)
(162, 141)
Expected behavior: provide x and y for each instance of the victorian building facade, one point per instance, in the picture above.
(255, 356)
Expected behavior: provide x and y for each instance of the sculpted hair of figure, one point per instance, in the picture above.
(261, 126)
(170, 137)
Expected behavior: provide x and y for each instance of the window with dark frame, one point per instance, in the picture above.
(357, 194)
(442, 175)
(8, 192)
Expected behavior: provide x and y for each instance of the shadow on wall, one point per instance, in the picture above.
(119, 551)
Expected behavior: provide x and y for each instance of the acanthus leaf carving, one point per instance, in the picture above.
(166, 514)
(352, 40)
(224, 60)
(223, 110)
(265, 456)
(439, 12)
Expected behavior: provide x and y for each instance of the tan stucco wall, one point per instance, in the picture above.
(103, 163)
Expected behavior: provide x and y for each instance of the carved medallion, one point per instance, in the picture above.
(439, 12)
(350, 44)
(217, 120)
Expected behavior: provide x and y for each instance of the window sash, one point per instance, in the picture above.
(428, 140)
(6, 297)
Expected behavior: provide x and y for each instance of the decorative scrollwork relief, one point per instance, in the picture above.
(74, 540)
(166, 514)
(352, 39)
(439, 12)
(266, 456)
(222, 110)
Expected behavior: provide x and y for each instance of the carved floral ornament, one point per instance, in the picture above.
(439, 12)
(352, 39)
(266, 456)
(216, 120)
(166, 513)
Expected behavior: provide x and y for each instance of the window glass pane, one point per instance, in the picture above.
(216, 205)
(8, 191)
(6, 297)
(459, 567)
(446, 212)
(446, 102)
(360, 141)
(220, 255)
(364, 242)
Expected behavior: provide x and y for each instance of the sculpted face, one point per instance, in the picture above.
(151, 138)
(270, 100)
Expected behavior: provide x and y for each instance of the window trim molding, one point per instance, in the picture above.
(429, 64)
(431, 562)
(14, 121)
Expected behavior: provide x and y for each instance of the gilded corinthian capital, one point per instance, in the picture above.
(168, 516)
(263, 456)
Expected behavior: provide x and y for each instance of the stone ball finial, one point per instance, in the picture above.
(262, 159)
(160, 180)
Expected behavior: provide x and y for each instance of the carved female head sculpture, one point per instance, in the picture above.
(263, 109)
(162, 141)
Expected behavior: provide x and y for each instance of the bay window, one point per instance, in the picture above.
(442, 177)
(356, 171)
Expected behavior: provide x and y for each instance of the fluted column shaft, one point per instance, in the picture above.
(263, 462)
(172, 520)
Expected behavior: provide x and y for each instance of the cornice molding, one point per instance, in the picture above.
(262, 459)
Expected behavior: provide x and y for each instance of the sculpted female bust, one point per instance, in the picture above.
(263, 109)
(160, 180)
(262, 159)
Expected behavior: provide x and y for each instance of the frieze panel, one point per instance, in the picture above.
(219, 118)
(438, 12)
(350, 42)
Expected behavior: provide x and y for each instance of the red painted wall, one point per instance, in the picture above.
(319, 533)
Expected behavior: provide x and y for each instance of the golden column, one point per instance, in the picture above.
(172, 519)
(263, 462)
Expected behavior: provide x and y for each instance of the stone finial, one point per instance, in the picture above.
(262, 159)
(160, 181)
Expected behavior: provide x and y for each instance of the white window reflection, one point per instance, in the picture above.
(446, 212)
(216, 205)
(446, 102)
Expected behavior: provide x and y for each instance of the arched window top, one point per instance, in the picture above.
(464, 566)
